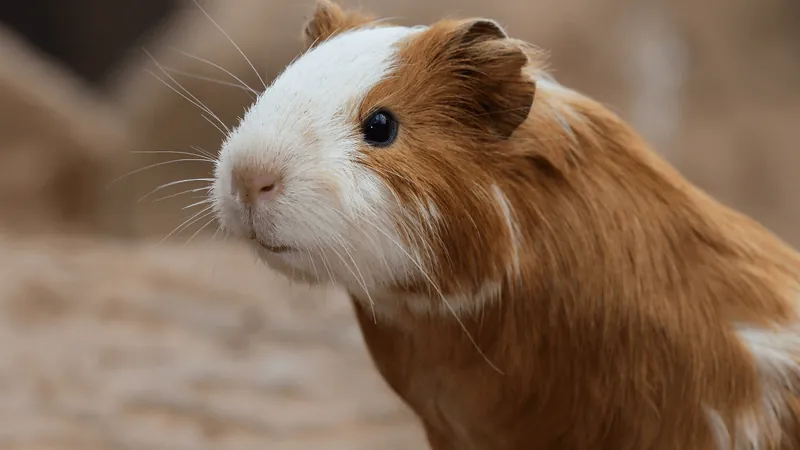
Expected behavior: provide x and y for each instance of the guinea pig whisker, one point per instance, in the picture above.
(319, 248)
(416, 223)
(212, 80)
(326, 264)
(203, 152)
(220, 230)
(172, 161)
(362, 281)
(211, 19)
(201, 202)
(174, 152)
(153, 166)
(205, 188)
(307, 249)
(240, 85)
(193, 100)
(354, 224)
(222, 132)
(174, 183)
(199, 230)
(216, 233)
(441, 295)
(189, 222)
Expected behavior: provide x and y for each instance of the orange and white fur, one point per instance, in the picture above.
(527, 273)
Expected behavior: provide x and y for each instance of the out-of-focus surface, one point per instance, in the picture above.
(112, 341)
(59, 148)
(109, 345)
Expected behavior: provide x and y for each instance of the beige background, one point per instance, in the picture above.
(114, 341)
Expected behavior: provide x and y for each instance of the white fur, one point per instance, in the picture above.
(546, 82)
(460, 305)
(557, 97)
(332, 208)
(513, 230)
(777, 353)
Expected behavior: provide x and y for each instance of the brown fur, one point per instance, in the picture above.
(617, 329)
(328, 20)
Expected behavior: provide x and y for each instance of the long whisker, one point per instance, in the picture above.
(199, 106)
(173, 183)
(344, 243)
(188, 222)
(178, 84)
(199, 230)
(161, 199)
(205, 117)
(152, 166)
(193, 100)
(360, 282)
(307, 249)
(231, 41)
(439, 292)
(212, 240)
(200, 150)
(173, 152)
(211, 80)
(201, 202)
(324, 259)
(363, 281)
(427, 246)
(243, 85)
(214, 236)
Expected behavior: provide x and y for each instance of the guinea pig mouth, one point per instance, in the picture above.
(278, 249)
(273, 248)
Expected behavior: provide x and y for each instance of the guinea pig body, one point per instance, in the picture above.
(527, 273)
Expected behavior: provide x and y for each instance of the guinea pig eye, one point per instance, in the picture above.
(380, 128)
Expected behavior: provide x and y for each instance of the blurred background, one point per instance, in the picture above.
(118, 333)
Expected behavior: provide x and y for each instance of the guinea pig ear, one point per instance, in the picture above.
(477, 30)
(488, 69)
(329, 19)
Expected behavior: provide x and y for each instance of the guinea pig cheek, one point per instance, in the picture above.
(328, 187)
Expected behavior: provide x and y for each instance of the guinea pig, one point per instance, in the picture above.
(527, 273)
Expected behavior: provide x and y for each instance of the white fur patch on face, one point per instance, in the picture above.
(777, 355)
(334, 211)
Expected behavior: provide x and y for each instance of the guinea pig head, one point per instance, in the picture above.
(369, 161)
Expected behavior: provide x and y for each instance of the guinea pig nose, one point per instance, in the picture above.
(252, 188)
(266, 186)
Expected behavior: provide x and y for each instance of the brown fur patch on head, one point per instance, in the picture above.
(466, 74)
(330, 19)
(459, 92)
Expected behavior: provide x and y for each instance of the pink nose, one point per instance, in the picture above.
(254, 188)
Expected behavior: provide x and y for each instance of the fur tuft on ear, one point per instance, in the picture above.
(487, 68)
(329, 19)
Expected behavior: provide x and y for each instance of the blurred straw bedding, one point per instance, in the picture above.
(115, 340)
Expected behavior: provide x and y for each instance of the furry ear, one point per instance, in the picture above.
(329, 19)
(478, 30)
(488, 69)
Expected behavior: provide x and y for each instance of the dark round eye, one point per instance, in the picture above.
(380, 128)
